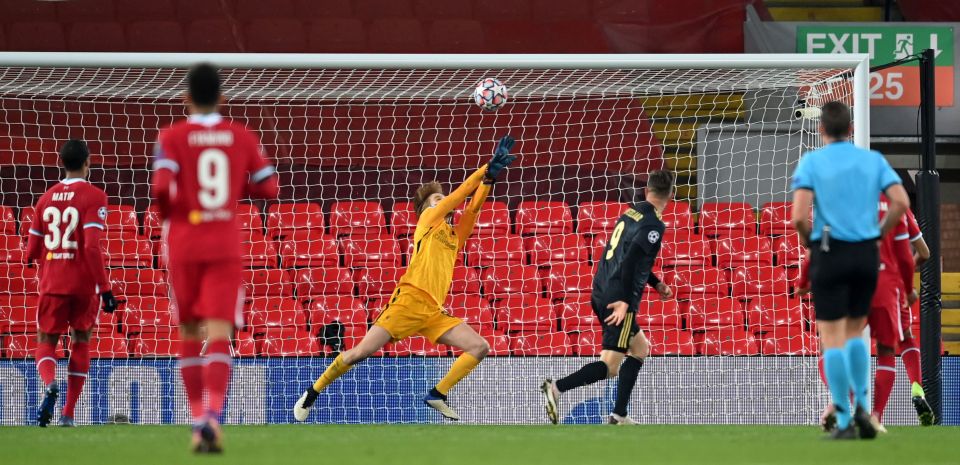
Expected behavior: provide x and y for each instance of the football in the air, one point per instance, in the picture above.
(490, 94)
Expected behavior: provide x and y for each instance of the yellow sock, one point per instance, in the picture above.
(461, 367)
(334, 371)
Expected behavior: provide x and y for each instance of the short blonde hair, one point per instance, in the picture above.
(423, 193)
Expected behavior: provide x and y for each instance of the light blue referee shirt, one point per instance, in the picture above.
(846, 182)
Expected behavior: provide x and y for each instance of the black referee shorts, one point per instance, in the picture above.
(844, 278)
(616, 337)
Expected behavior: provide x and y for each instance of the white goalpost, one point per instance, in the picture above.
(353, 136)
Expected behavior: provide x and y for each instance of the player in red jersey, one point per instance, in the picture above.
(909, 347)
(65, 242)
(202, 167)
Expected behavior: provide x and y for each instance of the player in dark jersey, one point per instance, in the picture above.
(65, 242)
(623, 273)
(202, 167)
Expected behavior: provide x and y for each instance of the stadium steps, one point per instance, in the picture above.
(675, 120)
(826, 11)
(950, 314)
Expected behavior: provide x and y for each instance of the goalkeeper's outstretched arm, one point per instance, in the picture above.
(433, 216)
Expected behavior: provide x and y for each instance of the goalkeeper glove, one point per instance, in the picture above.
(109, 302)
(501, 158)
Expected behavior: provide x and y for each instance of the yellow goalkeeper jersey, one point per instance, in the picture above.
(437, 243)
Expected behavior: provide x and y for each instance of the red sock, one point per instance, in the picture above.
(191, 369)
(216, 377)
(823, 376)
(77, 369)
(883, 383)
(46, 357)
(911, 360)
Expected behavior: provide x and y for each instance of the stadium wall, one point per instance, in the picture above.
(716, 390)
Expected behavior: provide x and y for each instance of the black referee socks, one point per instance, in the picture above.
(588, 374)
(627, 380)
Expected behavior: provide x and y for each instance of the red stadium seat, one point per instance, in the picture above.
(493, 219)
(743, 251)
(152, 225)
(8, 223)
(108, 344)
(561, 10)
(525, 313)
(597, 246)
(17, 346)
(499, 343)
(257, 252)
(85, 10)
(18, 313)
(372, 9)
(154, 10)
(487, 251)
(576, 314)
(146, 315)
(190, 10)
(137, 282)
(245, 345)
(442, 9)
(503, 281)
(732, 341)
(248, 217)
(456, 36)
(323, 9)
(775, 219)
(267, 282)
(552, 343)
(788, 250)
(755, 281)
(366, 252)
(676, 236)
(553, 249)
(322, 281)
(677, 216)
(671, 342)
(13, 249)
(336, 35)
(166, 344)
(29, 11)
(121, 221)
(569, 279)
(211, 35)
(276, 312)
(692, 253)
(26, 219)
(473, 310)
(658, 313)
(247, 10)
(465, 281)
(377, 283)
(325, 310)
(598, 218)
(403, 221)
(275, 35)
(357, 218)
(18, 279)
(396, 35)
(706, 281)
(542, 217)
(727, 219)
(285, 218)
(417, 346)
(795, 345)
(768, 312)
(155, 36)
(585, 343)
(96, 36)
(714, 312)
(288, 342)
(309, 249)
(37, 36)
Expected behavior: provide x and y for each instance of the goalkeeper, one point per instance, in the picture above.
(415, 307)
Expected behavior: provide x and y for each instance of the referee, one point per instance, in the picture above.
(843, 183)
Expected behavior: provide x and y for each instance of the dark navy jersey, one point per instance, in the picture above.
(625, 267)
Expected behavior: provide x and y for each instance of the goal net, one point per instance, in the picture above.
(353, 140)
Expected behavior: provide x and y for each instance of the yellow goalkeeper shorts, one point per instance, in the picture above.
(410, 311)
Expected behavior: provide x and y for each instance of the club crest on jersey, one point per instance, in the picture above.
(102, 213)
(653, 237)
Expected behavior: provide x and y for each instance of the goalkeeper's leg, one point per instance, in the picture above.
(474, 348)
(373, 341)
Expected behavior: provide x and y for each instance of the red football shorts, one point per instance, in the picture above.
(906, 322)
(57, 313)
(884, 316)
(207, 291)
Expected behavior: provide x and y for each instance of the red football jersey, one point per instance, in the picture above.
(888, 251)
(213, 162)
(912, 227)
(63, 214)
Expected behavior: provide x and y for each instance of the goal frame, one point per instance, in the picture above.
(859, 63)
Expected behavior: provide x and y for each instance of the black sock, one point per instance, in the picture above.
(435, 393)
(588, 374)
(627, 380)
